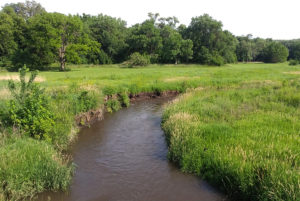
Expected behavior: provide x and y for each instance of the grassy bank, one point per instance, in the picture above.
(242, 138)
(29, 166)
(86, 87)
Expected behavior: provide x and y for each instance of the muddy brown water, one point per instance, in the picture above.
(124, 158)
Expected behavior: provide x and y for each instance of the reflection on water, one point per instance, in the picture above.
(124, 158)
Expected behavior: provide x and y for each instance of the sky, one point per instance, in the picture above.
(277, 19)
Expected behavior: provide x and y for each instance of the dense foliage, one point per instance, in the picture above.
(212, 45)
(136, 59)
(38, 39)
(29, 108)
(275, 52)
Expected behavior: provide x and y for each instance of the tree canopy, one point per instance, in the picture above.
(211, 45)
(30, 35)
(275, 52)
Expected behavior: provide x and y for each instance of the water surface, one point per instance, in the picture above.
(124, 158)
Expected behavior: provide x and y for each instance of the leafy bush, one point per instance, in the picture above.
(136, 59)
(104, 58)
(216, 60)
(293, 62)
(29, 109)
(113, 105)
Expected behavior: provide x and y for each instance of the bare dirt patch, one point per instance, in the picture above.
(181, 78)
(293, 72)
(16, 78)
(89, 87)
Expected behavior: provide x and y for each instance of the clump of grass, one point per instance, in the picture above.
(113, 105)
(29, 166)
(109, 91)
(124, 99)
(244, 140)
(80, 100)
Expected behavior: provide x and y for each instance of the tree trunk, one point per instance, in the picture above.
(62, 59)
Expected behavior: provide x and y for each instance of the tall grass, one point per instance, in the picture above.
(244, 138)
(28, 166)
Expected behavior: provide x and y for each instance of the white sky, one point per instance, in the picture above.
(277, 19)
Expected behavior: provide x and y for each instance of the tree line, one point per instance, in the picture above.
(30, 35)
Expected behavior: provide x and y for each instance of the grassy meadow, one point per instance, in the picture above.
(237, 126)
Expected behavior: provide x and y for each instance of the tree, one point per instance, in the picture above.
(174, 47)
(186, 50)
(27, 9)
(110, 32)
(86, 51)
(7, 42)
(76, 53)
(275, 52)
(210, 42)
(171, 45)
(47, 39)
(227, 47)
(145, 38)
(295, 50)
(258, 44)
(169, 21)
(244, 49)
(68, 29)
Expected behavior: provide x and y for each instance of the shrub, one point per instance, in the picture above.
(216, 60)
(113, 105)
(136, 59)
(29, 109)
(293, 62)
(104, 58)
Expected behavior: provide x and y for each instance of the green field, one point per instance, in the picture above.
(167, 76)
(237, 126)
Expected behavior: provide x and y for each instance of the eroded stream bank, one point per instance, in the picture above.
(124, 157)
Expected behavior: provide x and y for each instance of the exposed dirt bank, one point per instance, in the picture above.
(92, 116)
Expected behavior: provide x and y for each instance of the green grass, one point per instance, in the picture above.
(29, 166)
(244, 139)
(164, 76)
(240, 132)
